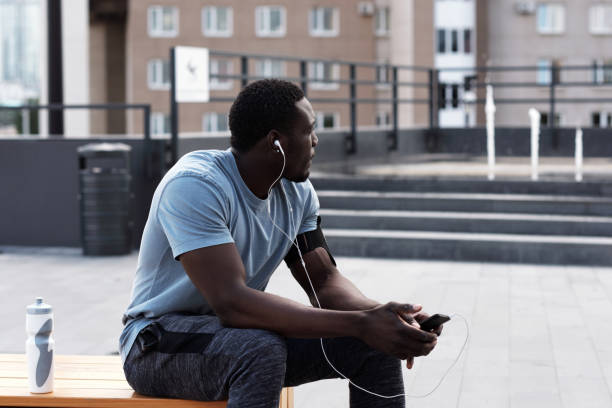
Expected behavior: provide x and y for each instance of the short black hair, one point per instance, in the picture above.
(260, 107)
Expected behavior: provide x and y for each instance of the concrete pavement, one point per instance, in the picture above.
(539, 335)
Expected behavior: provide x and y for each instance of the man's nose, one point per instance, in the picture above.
(315, 139)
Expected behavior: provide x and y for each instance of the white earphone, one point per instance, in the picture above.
(277, 144)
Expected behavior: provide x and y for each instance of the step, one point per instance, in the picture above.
(512, 248)
(405, 184)
(491, 203)
(467, 222)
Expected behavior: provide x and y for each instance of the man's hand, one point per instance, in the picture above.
(393, 329)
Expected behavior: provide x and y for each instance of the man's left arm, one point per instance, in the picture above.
(333, 289)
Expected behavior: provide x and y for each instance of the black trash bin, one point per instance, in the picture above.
(104, 195)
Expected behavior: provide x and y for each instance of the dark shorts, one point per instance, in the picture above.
(195, 357)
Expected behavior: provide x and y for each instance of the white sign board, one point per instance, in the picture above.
(191, 74)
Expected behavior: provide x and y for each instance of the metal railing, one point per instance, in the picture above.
(146, 109)
(435, 100)
(352, 99)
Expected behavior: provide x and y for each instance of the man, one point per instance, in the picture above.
(200, 325)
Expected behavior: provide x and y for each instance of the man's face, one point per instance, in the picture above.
(302, 141)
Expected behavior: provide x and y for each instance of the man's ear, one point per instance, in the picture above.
(272, 136)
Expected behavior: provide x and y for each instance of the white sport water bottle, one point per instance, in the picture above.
(40, 346)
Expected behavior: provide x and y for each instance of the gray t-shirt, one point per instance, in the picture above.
(203, 201)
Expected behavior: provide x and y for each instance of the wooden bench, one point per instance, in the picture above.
(88, 381)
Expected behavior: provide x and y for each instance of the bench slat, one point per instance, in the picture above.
(88, 381)
(96, 398)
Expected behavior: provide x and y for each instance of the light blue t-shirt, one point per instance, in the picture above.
(203, 201)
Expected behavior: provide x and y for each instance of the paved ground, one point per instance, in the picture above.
(540, 336)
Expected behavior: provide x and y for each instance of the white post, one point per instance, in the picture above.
(579, 154)
(534, 115)
(490, 113)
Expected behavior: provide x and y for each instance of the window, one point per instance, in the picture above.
(383, 77)
(383, 118)
(544, 119)
(382, 21)
(221, 67)
(454, 41)
(551, 18)
(158, 74)
(215, 122)
(467, 41)
(602, 72)
(327, 120)
(270, 21)
(321, 74)
(455, 96)
(545, 70)
(600, 19)
(441, 34)
(442, 95)
(270, 68)
(160, 123)
(601, 120)
(543, 76)
(324, 22)
(217, 21)
(163, 21)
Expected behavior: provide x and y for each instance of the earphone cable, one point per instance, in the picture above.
(294, 243)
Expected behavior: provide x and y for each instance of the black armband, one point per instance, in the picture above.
(307, 242)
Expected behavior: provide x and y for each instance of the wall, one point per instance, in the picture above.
(39, 180)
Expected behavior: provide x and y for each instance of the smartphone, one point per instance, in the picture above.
(433, 322)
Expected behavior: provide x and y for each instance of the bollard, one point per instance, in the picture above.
(578, 154)
(490, 113)
(534, 116)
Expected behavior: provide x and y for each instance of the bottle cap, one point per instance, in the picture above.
(39, 307)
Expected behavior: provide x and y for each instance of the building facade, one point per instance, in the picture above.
(555, 33)
(138, 35)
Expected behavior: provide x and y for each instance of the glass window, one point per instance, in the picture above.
(217, 21)
(441, 34)
(324, 22)
(158, 74)
(455, 95)
(545, 119)
(270, 68)
(382, 21)
(215, 122)
(327, 120)
(442, 95)
(600, 19)
(543, 73)
(163, 21)
(160, 123)
(607, 72)
(270, 21)
(383, 76)
(596, 119)
(383, 118)
(550, 18)
(454, 41)
(221, 67)
(467, 41)
(322, 74)
(602, 71)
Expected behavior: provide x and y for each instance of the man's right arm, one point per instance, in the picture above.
(218, 273)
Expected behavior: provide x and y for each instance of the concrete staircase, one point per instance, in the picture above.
(468, 220)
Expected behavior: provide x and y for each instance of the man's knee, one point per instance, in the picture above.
(264, 348)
